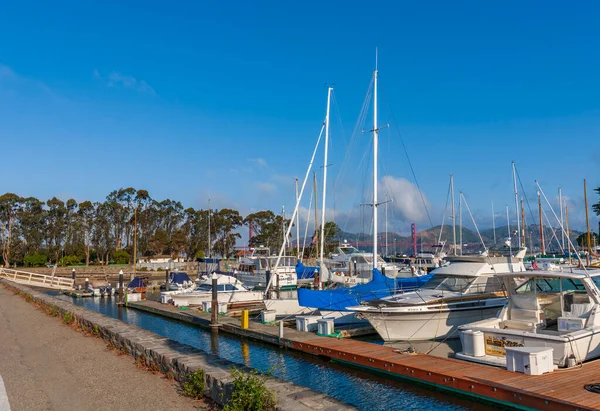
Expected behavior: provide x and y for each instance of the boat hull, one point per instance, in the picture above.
(197, 298)
(427, 325)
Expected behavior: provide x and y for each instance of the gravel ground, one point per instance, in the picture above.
(47, 365)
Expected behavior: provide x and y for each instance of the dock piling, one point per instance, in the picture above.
(280, 331)
(245, 319)
(120, 287)
(87, 284)
(73, 274)
(214, 308)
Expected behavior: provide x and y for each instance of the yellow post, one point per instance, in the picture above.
(245, 319)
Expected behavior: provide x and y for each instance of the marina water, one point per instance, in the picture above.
(364, 390)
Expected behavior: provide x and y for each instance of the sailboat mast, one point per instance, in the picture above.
(494, 222)
(316, 239)
(517, 204)
(375, 152)
(285, 244)
(297, 225)
(568, 233)
(329, 89)
(543, 245)
(587, 223)
(453, 213)
(460, 223)
(209, 245)
(386, 227)
(508, 223)
(562, 232)
(523, 221)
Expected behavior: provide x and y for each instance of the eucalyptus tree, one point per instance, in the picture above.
(32, 219)
(226, 221)
(102, 234)
(56, 225)
(9, 208)
(269, 229)
(85, 224)
(195, 230)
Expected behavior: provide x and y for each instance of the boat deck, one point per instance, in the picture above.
(560, 390)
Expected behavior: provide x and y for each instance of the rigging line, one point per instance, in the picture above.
(525, 195)
(307, 222)
(444, 215)
(473, 219)
(408, 159)
(355, 132)
(552, 230)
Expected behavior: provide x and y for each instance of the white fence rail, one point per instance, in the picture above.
(37, 280)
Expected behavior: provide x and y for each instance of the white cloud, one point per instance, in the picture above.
(261, 162)
(266, 188)
(406, 198)
(118, 80)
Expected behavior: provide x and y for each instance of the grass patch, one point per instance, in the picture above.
(68, 318)
(194, 384)
(250, 392)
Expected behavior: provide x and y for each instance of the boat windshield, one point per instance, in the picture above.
(552, 285)
(457, 283)
(204, 287)
(349, 250)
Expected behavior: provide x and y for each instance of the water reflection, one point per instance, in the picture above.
(361, 389)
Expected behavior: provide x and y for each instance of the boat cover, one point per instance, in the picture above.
(305, 272)
(178, 277)
(137, 282)
(338, 299)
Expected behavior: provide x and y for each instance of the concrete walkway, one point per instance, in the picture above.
(46, 365)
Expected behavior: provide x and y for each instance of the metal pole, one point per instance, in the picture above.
(121, 287)
(73, 274)
(214, 308)
(587, 223)
(543, 246)
(134, 242)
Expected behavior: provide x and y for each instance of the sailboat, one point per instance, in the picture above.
(334, 302)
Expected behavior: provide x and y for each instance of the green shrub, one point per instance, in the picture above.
(194, 384)
(121, 257)
(69, 260)
(67, 318)
(250, 393)
(35, 260)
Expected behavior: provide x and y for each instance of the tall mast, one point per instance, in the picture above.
(375, 153)
(517, 204)
(297, 225)
(386, 227)
(494, 222)
(325, 171)
(316, 239)
(134, 240)
(508, 223)
(523, 221)
(562, 232)
(543, 245)
(283, 229)
(209, 245)
(453, 213)
(587, 223)
(568, 233)
(460, 224)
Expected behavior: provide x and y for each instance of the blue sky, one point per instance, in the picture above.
(197, 99)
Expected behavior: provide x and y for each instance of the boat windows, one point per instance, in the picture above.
(205, 287)
(455, 283)
(348, 250)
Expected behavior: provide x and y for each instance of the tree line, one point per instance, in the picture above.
(34, 232)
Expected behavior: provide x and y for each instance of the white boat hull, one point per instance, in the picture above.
(426, 325)
(196, 298)
(343, 317)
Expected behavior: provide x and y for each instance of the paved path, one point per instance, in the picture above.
(46, 365)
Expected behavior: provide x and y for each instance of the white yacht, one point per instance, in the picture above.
(229, 291)
(550, 309)
(252, 270)
(350, 266)
(464, 291)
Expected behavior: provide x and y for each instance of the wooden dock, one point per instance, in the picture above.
(560, 390)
